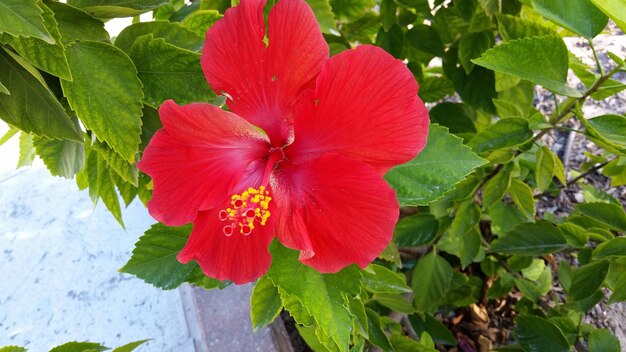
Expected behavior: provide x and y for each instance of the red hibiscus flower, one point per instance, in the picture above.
(300, 156)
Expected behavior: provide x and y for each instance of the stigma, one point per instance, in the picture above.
(247, 210)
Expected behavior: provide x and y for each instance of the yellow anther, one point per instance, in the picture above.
(247, 208)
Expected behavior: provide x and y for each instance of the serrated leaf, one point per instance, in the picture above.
(615, 9)
(128, 172)
(154, 257)
(472, 45)
(514, 27)
(530, 239)
(104, 187)
(321, 294)
(416, 230)
(297, 311)
(27, 150)
(45, 55)
(610, 214)
(588, 279)
(358, 311)
(536, 334)
(167, 72)
(522, 196)
(431, 279)
(62, 158)
(172, 33)
(106, 94)
(379, 279)
(23, 18)
(580, 16)
(265, 303)
(435, 88)
(324, 16)
(131, 346)
(602, 340)
(444, 162)
(505, 133)
(116, 8)
(79, 347)
(541, 60)
(76, 24)
(31, 107)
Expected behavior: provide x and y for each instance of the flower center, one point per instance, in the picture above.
(247, 210)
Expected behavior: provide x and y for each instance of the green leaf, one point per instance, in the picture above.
(79, 347)
(435, 88)
(154, 257)
(431, 279)
(388, 10)
(610, 214)
(531, 239)
(544, 170)
(614, 146)
(395, 302)
(444, 162)
(349, 10)
(472, 45)
(167, 72)
(131, 346)
(76, 24)
(323, 295)
(611, 127)
(478, 89)
(438, 331)
(522, 196)
(127, 171)
(49, 57)
(391, 254)
(403, 343)
(541, 60)
(505, 133)
(172, 33)
(580, 16)
(357, 309)
(514, 27)
(62, 158)
(461, 239)
(31, 107)
(391, 40)
(536, 334)
(324, 15)
(23, 18)
(377, 335)
(8, 135)
(106, 94)
(615, 9)
(201, 20)
(379, 279)
(116, 8)
(265, 303)
(12, 349)
(619, 290)
(496, 188)
(27, 150)
(425, 38)
(588, 279)
(459, 118)
(416, 230)
(602, 340)
(613, 248)
(536, 288)
(101, 185)
(4, 89)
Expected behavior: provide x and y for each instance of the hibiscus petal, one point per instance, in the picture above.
(349, 211)
(238, 258)
(197, 158)
(264, 85)
(365, 107)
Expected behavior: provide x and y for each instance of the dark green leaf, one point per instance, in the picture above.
(505, 133)
(602, 340)
(438, 331)
(541, 60)
(154, 257)
(265, 303)
(531, 239)
(106, 94)
(536, 334)
(31, 107)
(588, 279)
(431, 279)
(444, 162)
(609, 214)
(79, 347)
(75, 24)
(580, 16)
(416, 230)
(435, 88)
(392, 40)
(478, 89)
(471, 46)
(379, 279)
(376, 334)
(388, 10)
(172, 33)
(458, 118)
(619, 291)
(425, 38)
(116, 8)
(23, 18)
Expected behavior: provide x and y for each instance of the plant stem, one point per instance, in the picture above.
(575, 179)
(595, 56)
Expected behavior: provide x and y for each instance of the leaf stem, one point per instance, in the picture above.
(595, 56)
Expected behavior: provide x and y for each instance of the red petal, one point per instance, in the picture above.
(237, 257)
(197, 158)
(264, 84)
(365, 107)
(348, 209)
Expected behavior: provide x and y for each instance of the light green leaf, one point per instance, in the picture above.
(201, 20)
(31, 107)
(541, 60)
(168, 72)
(588, 279)
(321, 294)
(416, 230)
(431, 279)
(465, 246)
(403, 343)
(544, 170)
(514, 27)
(27, 150)
(609, 214)
(602, 340)
(23, 18)
(116, 8)
(76, 24)
(265, 303)
(103, 186)
(472, 45)
(531, 239)
(79, 347)
(131, 346)
(49, 57)
(496, 188)
(350, 10)
(536, 334)
(395, 302)
(610, 127)
(522, 196)
(536, 288)
(12, 349)
(8, 135)
(324, 15)
(580, 16)
(172, 33)
(615, 9)
(154, 257)
(127, 171)
(357, 308)
(444, 162)
(62, 158)
(505, 133)
(106, 94)
(379, 279)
